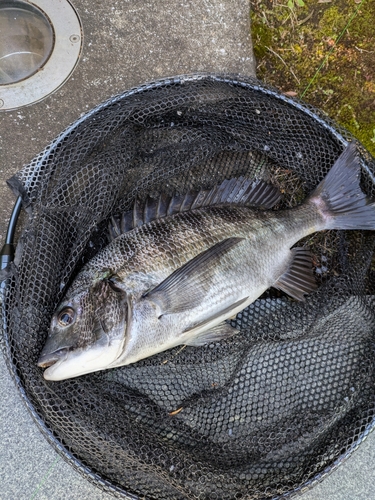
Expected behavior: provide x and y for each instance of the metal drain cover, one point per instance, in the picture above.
(40, 45)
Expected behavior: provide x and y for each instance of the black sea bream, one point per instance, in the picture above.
(175, 280)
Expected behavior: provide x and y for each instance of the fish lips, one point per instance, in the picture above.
(69, 363)
(47, 359)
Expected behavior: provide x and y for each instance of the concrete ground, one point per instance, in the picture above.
(125, 44)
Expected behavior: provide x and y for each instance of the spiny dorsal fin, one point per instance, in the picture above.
(298, 279)
(238, 191)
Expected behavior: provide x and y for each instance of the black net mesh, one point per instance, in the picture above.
(255, 417)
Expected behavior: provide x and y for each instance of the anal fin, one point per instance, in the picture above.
(298, 279)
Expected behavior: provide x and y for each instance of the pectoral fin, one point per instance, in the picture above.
(298, 279)
(186, 287)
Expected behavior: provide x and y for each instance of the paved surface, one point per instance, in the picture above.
(125, 43)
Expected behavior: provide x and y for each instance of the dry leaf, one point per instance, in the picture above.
(175, 412)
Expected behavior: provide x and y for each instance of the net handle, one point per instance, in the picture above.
(7, 252)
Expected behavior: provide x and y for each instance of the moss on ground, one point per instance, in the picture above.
(293, 39)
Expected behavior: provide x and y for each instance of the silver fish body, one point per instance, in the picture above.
(176, 279)
(237, 279)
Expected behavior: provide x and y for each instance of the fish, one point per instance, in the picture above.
(177, 268)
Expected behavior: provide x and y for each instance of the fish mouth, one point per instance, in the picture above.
(49, 359)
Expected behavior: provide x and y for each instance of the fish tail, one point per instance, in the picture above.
(339, 198)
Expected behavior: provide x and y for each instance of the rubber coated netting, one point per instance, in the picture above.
(257, 416)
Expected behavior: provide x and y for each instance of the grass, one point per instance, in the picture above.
(323, 52)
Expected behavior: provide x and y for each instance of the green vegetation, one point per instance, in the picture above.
(292, 40)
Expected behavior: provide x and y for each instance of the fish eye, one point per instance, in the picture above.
(66, 317)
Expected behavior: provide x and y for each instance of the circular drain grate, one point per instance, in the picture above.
(41, 44)
(27, 41)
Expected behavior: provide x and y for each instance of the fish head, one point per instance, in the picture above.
(86, 333)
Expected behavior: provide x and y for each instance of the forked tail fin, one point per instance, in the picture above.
(339, 197)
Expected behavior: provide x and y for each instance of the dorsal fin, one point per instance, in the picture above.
(238, 191)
